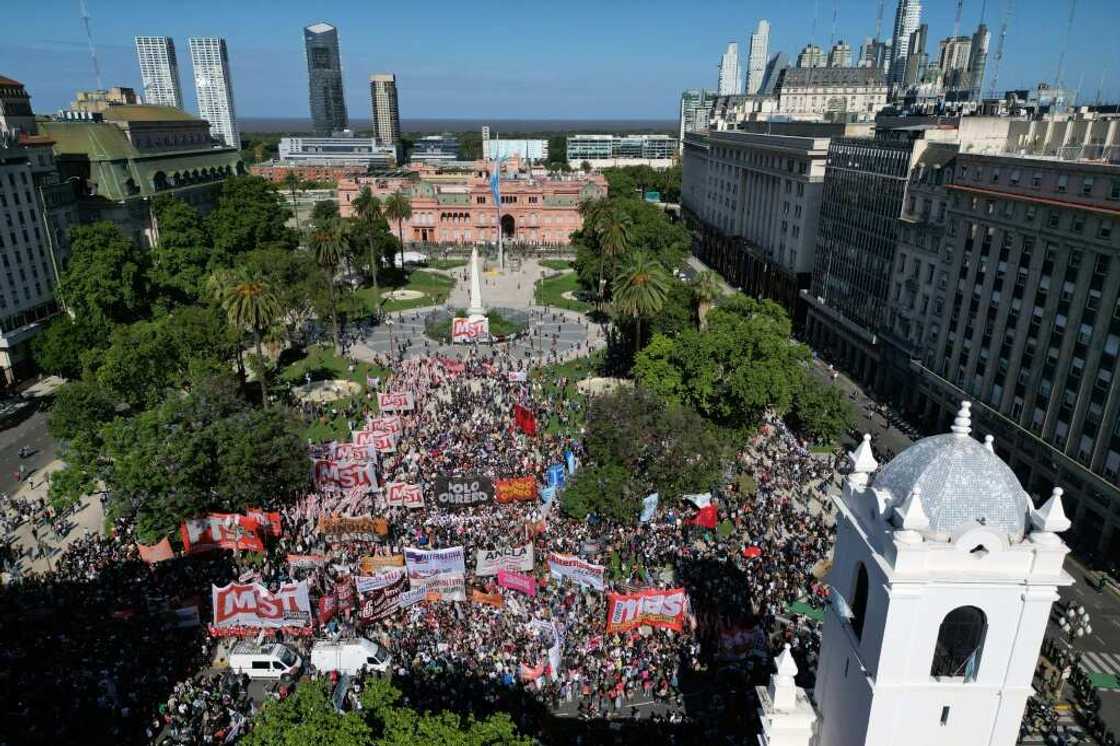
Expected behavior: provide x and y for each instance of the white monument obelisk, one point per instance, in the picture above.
(475, 311)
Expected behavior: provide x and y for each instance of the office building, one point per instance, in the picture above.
(337, 151)
(916, 60)
(857, 93)
(953, 63)
(977, 62)
(840, 55)
(129, 154)
(435, 149)
(324, 79)
(457, 206)
(906, 20)
(214, 86)
(754, 196)
(386, 115)
(875, 53)
(99, 101)
(810, 56)
(730, 81)
(774, 68)
(729, 112)
(607, 151)
(756, 63)
(159, 71)
(696, 103)
(528, 149)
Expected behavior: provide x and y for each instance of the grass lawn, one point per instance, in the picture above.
(500, 326)
(323, 364)
(557, 264)
(451, 263)
(549, 292)
(435, 287)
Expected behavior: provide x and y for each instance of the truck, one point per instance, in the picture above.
(350, 656)
(272, 661)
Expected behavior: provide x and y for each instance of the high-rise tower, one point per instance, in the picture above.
(756, 63)
(159, 71)
(730, 82)
(977, 61)
(386, 113)
(906, 20)
(324, 79)
(214, 86)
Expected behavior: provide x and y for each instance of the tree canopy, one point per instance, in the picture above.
(250, 215)
(106, 279)
(182, 257)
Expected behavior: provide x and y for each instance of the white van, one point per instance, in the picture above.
(349, 656)
(263, 661)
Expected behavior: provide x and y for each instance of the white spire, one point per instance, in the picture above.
(913, 515)
(863, 460)
(475, 309)
(962, 425)
(1051, 517)
(990, 443)
(783, 691)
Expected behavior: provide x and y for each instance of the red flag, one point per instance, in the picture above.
(525, 420)
(156, 552)
(706, 518)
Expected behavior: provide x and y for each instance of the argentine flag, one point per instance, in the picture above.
(496, 181)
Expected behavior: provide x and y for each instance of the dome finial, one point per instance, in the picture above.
(990, 443)
(962, 425)
(862, 459)
(913, 515)
(1051, 517)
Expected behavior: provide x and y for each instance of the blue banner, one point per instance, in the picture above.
(496, 181)
(649, 505)
(548, 494)
(555, 476)
(570, 458)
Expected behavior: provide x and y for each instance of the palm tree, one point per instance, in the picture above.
(368, 210)
(706, 287)
(640, 290)
(398, 208)
(293, 182)
(613, 228)
(329, 245)
(250, 303)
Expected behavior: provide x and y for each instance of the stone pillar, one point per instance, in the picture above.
(788, 717)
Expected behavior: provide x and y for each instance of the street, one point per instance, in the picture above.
(31, 432)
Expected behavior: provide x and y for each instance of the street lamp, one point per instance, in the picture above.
(1075, 623)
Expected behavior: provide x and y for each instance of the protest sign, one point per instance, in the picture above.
(490, 561)
(381, 597)
(657, 607)
(346, 592)
(447, 586)
(396, 401)
(339, 528)
(266, 521)
(520, 489)
(649, 507)
(386, 423)
(490, 599)
(329, 475)
(305, 561)
(555, 476)
(220, 531)
(368, 565)
(466, 330)
(412, 597)
(516, 581)
(328, 607)
(525, 420)
(517, 376)
(253, 605)
(379, 440)
(421, 562)
(408, 495)
(578, 571)
(462, 492)
(156, 552)
(388, 576)
(351, 453)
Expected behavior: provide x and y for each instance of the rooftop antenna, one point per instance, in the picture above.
(1100, 85)
(832, 34)
(89, 38)
(1008, 10)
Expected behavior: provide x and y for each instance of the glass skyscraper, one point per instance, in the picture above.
(324, 79)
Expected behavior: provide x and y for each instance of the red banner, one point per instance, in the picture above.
(658, 607)
(328, 607)
(221, 531)
(156, 552)
(253, 605)
(332, 476)
(396, 401)
(521, 489)
(706, 518)
(465, 330)
(344, 590)
(525, 420)
(453, 367)
(266, 521)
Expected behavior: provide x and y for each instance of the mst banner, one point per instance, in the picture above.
(491, 561)
(396, 401)
(465, 330)
(573, 568)
(408, 495)
(521, 489)
(221, 531)
(335, 476)
(252, 605)
(452, 493)
(659, 607)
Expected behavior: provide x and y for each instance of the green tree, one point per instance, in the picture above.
(367, 208)
(106, 279)
(293, 183)
(296, 280)
(613, 227)
(59, 348)
(329, 244)
(251, 303)
(307, 718)
(821, 412)
(397, 208)
(183, 256)
(640, 290)
(250, 215)
(79, 408)
(706, 288)
(323, 213)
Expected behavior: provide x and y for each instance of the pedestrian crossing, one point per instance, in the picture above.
(1103, 669)
(1067, 725)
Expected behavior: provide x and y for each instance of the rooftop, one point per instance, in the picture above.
(825, 76)
(147, 113)
(8, 81)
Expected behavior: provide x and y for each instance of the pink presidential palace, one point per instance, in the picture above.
(455, 205)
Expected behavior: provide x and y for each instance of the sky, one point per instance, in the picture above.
(579, 59)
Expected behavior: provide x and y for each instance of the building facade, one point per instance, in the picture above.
(213, 83)
(324, 79)
(857, 93)
(696, 103)
(338, 151)
(907, 17)
(159, 71)
(457, 206)
(435, 149)
(386, 115)
(756, 62)
(730, 81)
(606, 151)
(527, 149)
(810, 56)
(840, 55)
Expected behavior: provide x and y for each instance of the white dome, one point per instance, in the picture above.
(961, 481)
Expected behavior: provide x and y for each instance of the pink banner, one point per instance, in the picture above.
(465, 330)
(397, 401)
(408, 495)
(517, 581)
(332, 476)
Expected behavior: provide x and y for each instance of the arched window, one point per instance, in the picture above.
(960, 643)
(859, 601)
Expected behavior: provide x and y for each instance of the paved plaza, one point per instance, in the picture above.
(554, 334)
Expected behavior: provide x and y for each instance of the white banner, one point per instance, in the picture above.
(490, 561)
(451, 586)
(367, 583)
(422, 563)
(332, 476)
(517, 376)
(465, 330)
(412, 597)
(381, 440)
(573, 568)
(408, 495)
(350, 453)
(252, 605)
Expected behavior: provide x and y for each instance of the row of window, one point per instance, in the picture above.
(1085, 185)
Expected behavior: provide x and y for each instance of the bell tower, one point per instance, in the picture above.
(941, 587)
